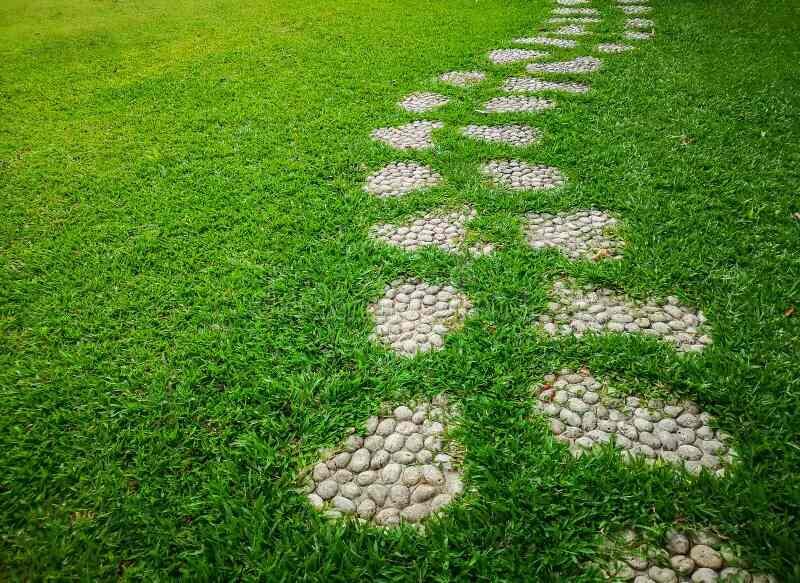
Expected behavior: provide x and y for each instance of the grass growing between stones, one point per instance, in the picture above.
(186, 270)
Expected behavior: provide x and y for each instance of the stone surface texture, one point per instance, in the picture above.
(562, 43)
(571, 2)
(576, 65)
(414, 316)
(401, 470)
(505, 56)
(571, 11)
(417, 135)
(400, 178)
(520, 175)
(635, 9)
(638, 35)
(576, 310)
(685, 555)
(443, 229)
(576, 19)
(517, 104)
(462, 78)
(423, 101)
(583, 234)
(571, 30)
(512, 134)
(584, 414)
(612, 48)
(639, 23)
(534, 85)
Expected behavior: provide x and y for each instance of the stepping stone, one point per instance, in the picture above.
(639, 23)
(414, 316)
(402, 469)
(514, 135)
(400, 178)
(579, 11)
(534, 85)
(571, 2)
(635, 9)
(442, 229)
(576, 65)
(638, 35)
(572, 19)
(416, 135)
(572, 30)
(584, 413)
(562, 43)
(423, 101)
(578, 235)
(612, 48)
(462, 78)
(576, 310)
(683, 554)
(519, 175)
(505, 56)
(517, 104)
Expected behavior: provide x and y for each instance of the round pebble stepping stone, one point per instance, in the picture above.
(571, 2)
(572, 30)
(696, 556)
(517, 104)
(402, 469)
(514, 135)
(583, 234)
(576, 310)
(576, 65)
(638, 35)
(442, 229)
(571, 11)
(505, 56)
(534, 85)
(423, 101)
(462, 78)
(519, 175)
(575, 19)
(400, 178)
(562, 43)
(639, 23)
(414, 316)
(416, 135)
(635, 9)
(584, 414)
(612, 48)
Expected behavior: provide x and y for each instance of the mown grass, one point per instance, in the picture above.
(185, 274)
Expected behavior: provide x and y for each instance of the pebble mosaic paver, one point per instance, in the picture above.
(402, 469)
(401, 178)
(569, 11)
(517, 104)
(534, 85)
(576, 19)
(635, 9)
(638, 35)
(562, 43)
(414, 316)
(571, 2)
(612, 48)
(514, 135)
(462, 78)
(416, 135)
(576, 310)
(639, 23)
(584, 414)
(583, 234)
(572, 30)
(443, 229)
(520, 175)
(697, 556)
(423, 101)
(505, 56)
(576, 65)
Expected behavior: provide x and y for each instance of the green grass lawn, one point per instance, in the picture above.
(185, 272)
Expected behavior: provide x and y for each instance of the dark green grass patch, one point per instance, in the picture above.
(185, 272)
